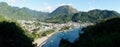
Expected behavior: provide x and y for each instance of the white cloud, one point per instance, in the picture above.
(49, 8)
(11, 1)
(14, 1)
(64, 4)
(46, 7)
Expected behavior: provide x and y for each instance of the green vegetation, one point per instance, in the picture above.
(91, 16)
(12, 35)
(47, 32)
(64, 10)
(103, 34)
(62, 14)
(64, 28)
(94, 15)
(20, 13)
(36, 34)
(59, 18)
(1, 18)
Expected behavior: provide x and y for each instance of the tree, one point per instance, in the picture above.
(12, 35)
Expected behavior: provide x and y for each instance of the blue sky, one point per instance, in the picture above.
(81, 5)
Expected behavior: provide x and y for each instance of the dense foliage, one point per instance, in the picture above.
(103, 34)
(12, 35)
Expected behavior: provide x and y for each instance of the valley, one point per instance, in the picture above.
(65, 26)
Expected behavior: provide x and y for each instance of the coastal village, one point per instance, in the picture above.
(42, 26)
(33, 26)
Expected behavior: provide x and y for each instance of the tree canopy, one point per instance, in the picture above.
(12, 35)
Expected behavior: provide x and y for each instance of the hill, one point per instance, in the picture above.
(20, 13)
(94, 15)
(91, 16)
(63, 10)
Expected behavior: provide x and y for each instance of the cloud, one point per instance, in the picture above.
(15, 1)
(11, 1)
(49, 8)
(46, 8)
(64, 4)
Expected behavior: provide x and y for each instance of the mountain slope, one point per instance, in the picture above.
(90, 16)
(62, 14)
(19, 13)
(94, 15)
(64, 10)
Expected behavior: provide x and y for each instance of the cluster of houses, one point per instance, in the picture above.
(42, 26)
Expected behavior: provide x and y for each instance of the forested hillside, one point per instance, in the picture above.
(91, 16)
(94, 15)
(20, 13)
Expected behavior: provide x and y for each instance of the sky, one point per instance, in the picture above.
(51, 5)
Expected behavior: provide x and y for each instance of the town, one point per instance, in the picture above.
(42, 26)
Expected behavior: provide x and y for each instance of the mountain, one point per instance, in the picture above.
(62, 14)
(90, 16)
(64, 10)
(94, 15)
(20, 13)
